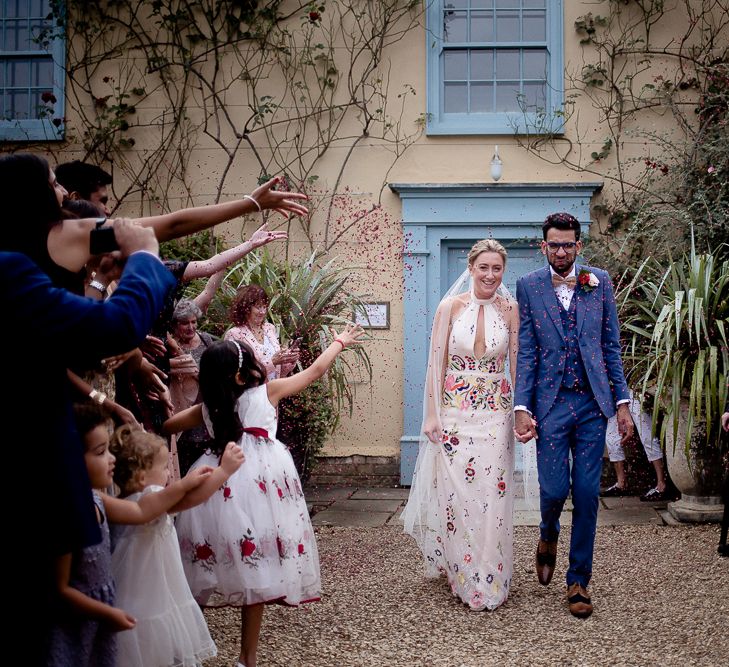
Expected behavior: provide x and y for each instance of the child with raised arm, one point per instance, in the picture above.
(252, 542)
(150, 582)
(87, 618)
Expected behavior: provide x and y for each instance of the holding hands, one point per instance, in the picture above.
(195, 478)
(525, 426)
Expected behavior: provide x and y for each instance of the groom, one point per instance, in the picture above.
(569, 381)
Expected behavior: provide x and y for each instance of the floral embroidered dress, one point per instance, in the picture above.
(466, 530)
(252, 541)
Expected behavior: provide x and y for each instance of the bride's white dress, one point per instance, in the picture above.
(461, 499)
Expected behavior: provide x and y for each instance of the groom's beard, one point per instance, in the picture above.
(561, 265)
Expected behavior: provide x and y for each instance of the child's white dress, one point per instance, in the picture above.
(252, 541)
(151, 586)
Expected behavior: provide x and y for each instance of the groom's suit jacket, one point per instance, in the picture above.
(542, 349)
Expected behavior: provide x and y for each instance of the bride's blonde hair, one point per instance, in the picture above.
(486, 245)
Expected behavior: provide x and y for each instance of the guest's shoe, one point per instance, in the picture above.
(654, 495)
(579, 600)
(614, 491)
(546, 559)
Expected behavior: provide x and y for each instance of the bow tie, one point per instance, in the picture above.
(570, 281)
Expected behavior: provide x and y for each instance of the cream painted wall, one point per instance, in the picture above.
(376, 425)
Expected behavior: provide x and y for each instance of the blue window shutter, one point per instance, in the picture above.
(25, 127)
(441, 122)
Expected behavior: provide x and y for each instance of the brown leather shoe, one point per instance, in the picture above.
(580, 602)
(545, 561)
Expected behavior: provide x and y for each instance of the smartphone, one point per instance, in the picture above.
(102, 240)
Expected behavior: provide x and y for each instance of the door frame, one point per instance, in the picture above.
(434, 213)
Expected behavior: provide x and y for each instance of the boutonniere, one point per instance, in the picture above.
(588, 280)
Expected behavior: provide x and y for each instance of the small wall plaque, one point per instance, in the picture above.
(377, 315)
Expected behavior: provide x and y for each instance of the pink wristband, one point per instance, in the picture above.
(336, 340)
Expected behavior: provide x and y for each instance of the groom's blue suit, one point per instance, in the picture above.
(570, 377)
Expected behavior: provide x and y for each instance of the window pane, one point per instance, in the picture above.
(482, 97)
(535, 95)
(455, 4)
(19, 105)
(42, 72)
(507, 96)
(16, 8)
(482, 26)
(535, 26)
(535, 64)
(455, 65)
(19, 73)
(507, 64)
(455, 98)
(40, 8)
(529, 4)
(455, 27)
(482, 65)
(507, 27)
(507, 3)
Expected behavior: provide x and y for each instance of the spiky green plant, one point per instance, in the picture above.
(679, 318)
(309, 300)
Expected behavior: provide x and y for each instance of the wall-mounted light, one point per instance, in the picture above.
(496, 165)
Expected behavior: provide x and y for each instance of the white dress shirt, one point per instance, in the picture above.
(564, 293)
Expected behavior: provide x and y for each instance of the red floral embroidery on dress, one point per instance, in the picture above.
(247, 547)
(202, 553)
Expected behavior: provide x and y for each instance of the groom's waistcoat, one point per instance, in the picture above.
(575, 375)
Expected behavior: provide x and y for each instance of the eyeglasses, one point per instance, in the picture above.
(553, 246)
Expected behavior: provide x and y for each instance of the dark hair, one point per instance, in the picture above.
(82, 177)
(82, 208)
(245, 299)
(219, 365)
(30, 206)
(563, 221)
(88, 416)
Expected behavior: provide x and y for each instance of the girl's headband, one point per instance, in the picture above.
(240, 353)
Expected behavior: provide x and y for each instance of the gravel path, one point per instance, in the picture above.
(661, 597)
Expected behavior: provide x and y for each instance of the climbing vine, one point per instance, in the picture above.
(655, 75)
(173, 96)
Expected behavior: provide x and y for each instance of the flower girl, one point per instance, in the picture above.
(146, 565)
(252, 542)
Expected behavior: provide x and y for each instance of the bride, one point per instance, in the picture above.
(460, 505)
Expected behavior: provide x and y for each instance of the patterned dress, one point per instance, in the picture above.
(77, 639)
(469, 527)
(252, 541)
